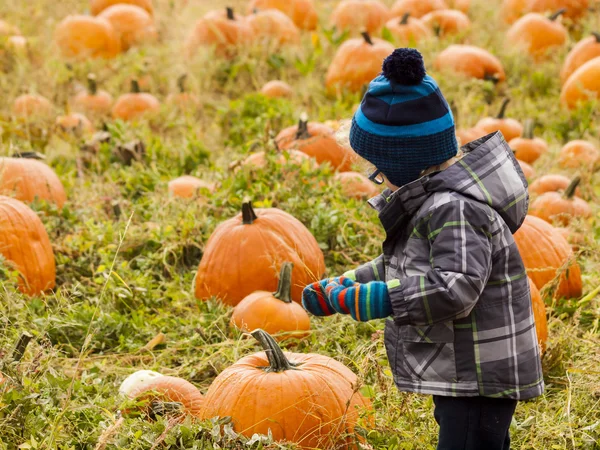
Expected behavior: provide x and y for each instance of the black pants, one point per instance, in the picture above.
(473, 423)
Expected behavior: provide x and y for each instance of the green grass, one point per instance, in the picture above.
(127, 254)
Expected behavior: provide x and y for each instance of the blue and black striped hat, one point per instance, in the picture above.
(404, 124)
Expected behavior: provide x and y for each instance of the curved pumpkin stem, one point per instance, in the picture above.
(181, 82)
(528, 129)
(597, 36)
(248, 214)
(284, 288)
(570, 190)
(367, 37)
(135, 87)
(92, 84)
(230, 14)
(302, 132)
(277, 360)
(404, 19)
(28, 155)
(557, 14)
(503, 108)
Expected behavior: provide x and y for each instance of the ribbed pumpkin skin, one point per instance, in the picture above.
(93, 105)
(544, 251)
(32, 106)
(359, 15)
(551, 183)
(25, 245)
(448, 21)
(307, 406)
(171, 389)
(527, 169)
(97, 6)
(25, 179)
(87, 37)
(417, 8)
(414, 30)
(539, 315)
(216, 30)
(536, 34)
(243, 258)
(302, 12)
(584, 51)
(133, 106)
(554, 207)
(510, 128)
(528, 150)
(134, 24)
(579, 154)
(470, 61)
(583, 84)
(277, 89)
(575, 9)
(274, 26)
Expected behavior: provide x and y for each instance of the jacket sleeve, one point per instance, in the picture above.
(371, 271)
(461, 260)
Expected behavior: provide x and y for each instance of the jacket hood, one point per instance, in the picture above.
(488, 173)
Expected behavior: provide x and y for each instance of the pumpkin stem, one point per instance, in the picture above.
(557, 14)
(284, 288)
(277, 360)
(570, 190)
(248, 214)
(21, 345)
(597, 36)
(491, 77)
(302, 132)
(181, 82)
(28, 155)
(528, 129)
(135, 87)
(92, 84)
(404, 19)
(503, 108)
(367, 37)
(230, 14)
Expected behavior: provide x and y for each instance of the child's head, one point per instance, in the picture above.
(404, 125)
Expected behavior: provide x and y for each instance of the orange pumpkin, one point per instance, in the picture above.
(537, 34)
(585, 50)
(27, 179)
(511, 10)
(553, 206)
(277, 89)
(33, 107)
(302, 12)
(308, 399)
(510, 128)
(75, 123)
(466, 135)
(135, 105)
(273, 26)
(356, 185)
(188, 186)
(240, 255)
(356, 63)
(24, 245)
(528, 171)
(408, 30)
(470, 61)
(574, 9)
(359, 15)
(316, 140)
(528, 148)
(545, 252)
(416, 8)
(259, 160)
(445, 22)
(582, 85)
(551, 183)
(461, 5)
(97, 6)
(170, 389)
(84, 37)
(539, 315)
(183, 99)
(273, 312)
(93, 102)
(134, 25)
(579, 154)
(222, 30)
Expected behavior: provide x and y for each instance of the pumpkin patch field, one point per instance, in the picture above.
(173, 174)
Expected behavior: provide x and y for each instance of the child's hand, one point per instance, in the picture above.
(315, 299)
(362, 301)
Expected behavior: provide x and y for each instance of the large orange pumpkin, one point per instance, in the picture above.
(582, 85)
(539, 315)
(579, 154)
(97, 6)
(273, 26)
(85, 37)
(528, 148)
(554, 206)
(359, 15)
(243, 254)
(356, 185)
(417, 8)
(408, 30)
(546, 255)
(356, 63)
(32, 107)
(134, 25)
(574, 9)
(135, 105)
(551, 183)
(170, 389)
(510, 128)
(27, 179)
(302, 12)
(308, 399)
(585, 50)
(446, 22)
(24, 245)
(470, 61)
(316, 140)
(536, 34)
(273, 312)
(93, 102)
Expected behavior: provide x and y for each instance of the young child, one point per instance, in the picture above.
(450, 275)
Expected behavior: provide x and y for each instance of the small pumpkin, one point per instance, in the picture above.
(240, 255)
(302, 12)
(466, 135)
(537, 34)
(273, 26)
(308, 399)
(554, 206)
(574, 9)
(510, 128)
(135, 105)
(316, 140)
(584, 51)
(24, 245)
(356, 185)
(170, 389)
(579, 154)
(83, 37)
(97, 6)
(356, 63)
(32, 107)
(528, 148)
(75, 123)
(183, 99)
(470, 61)
(408, 30)
(259, 160)
(134, 25)
(416, 8)
(93, 102)
(539, 315)
(546, 255)
(188, 186)
(551, 183)
(275, 313)
(277, 89)
(445, 22)
(527, 169)
(583, 84)
(359, 15)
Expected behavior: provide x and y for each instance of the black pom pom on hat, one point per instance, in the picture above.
(404, 66)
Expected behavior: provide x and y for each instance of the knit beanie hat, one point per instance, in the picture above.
(404, 124)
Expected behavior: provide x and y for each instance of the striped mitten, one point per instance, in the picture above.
(315, 299)
(362, 301)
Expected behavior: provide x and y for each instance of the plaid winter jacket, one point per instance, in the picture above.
(462, 317)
